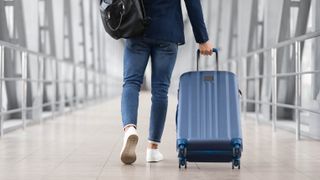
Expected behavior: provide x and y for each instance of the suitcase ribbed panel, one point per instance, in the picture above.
(209, 107)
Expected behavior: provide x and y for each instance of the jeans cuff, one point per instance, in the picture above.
(135, 126)
(154, 142)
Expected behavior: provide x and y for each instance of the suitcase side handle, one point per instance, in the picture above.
(214, 50)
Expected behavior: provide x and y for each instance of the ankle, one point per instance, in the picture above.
(153, 145)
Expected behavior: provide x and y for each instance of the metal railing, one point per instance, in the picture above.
(77, 100)
(297, 107)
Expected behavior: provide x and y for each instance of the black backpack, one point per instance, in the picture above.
(123, 18)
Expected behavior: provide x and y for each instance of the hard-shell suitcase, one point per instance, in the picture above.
(208, 117)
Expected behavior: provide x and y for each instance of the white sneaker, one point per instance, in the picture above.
(153, 155)
(130, 141)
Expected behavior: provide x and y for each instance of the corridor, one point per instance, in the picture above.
(62, 73)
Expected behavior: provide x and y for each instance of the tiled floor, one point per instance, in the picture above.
(85, 146)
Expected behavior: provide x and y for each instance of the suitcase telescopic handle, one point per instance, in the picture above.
(214, 50)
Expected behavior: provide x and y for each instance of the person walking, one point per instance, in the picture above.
(160, 41)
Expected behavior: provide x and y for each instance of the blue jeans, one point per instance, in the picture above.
(163, 57)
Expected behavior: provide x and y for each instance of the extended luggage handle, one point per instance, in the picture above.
(214, 50)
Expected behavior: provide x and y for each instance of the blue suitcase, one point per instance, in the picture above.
(208, 117)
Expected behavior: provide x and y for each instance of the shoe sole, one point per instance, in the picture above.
(153, 161)
(128, 155)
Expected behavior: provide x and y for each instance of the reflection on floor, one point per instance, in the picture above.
(85, 145)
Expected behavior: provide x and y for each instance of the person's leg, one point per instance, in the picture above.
(136, 57)
(135, 61)
(163, 60)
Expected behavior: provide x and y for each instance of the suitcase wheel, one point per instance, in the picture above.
(182, 156)
(182, 162)
(236, 163)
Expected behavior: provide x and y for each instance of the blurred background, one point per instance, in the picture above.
(56, 57)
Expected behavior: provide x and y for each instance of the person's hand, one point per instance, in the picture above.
(206, 48)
